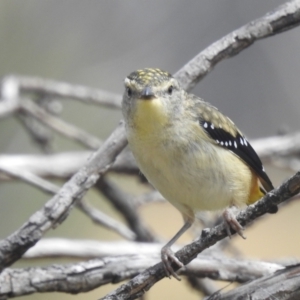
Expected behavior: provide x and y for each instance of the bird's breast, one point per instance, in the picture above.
(189, 171)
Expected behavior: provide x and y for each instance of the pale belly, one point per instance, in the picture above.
(194, 180)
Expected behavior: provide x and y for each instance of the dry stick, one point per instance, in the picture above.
(62, 165)
(58, 165)
(284, 145)
(58, 208)
(88, 275)
(28, 177)
(283, 284)
(65, 90)
(143, 282)
(96, 215)
(123, 203)
(100, 218)
(65, 164)
(59, 125)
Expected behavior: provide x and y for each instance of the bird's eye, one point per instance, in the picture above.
(129, 91)
(170, 89)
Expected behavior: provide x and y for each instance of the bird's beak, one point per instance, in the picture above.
(147, 93)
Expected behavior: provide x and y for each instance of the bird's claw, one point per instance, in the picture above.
(168, 257)
(232, 223)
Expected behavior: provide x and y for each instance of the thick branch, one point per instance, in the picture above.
(143, 282)
(58, 208)
(85, 276)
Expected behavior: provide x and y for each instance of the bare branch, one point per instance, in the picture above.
(283, 18)
(9, 100)
(65, 91)
(96, 215)
(58, 208)
(85, 276)
(126, 207)
(283, 284)
(87, 249)
(60, 165)
(283, 145)
(60, 126)
(209, 237)
(64, 165)
(100, 218)
(30, 178)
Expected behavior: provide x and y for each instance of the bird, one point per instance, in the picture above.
(194, 155)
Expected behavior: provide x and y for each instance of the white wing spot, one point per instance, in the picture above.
(230, 144)
(241, 140)
(222, 144)
(217, 141)
(205, 125)
(235, 144)
(226, 144)
(245, 142)
(212, 126)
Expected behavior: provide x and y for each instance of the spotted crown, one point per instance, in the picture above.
(149, 77)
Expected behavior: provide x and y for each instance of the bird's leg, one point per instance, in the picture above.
(231, 222)
(168, 256)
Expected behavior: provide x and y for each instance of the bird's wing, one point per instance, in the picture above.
(226, 135)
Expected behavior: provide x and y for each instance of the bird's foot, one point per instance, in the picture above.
(232, 223)
(168, 257)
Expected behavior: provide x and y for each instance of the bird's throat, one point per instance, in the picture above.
(150, 116)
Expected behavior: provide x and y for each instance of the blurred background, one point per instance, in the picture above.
(98, 43)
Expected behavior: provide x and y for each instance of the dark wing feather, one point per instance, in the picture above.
(240, 146)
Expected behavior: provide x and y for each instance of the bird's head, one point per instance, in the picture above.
(151, 94)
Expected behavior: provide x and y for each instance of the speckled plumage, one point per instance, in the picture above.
(188, 150)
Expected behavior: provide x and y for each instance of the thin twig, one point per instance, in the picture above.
(127, 208)
(65, 91)
(60, 126)
(96, 215)
(100, 218)
(283, 145)
(28, 177)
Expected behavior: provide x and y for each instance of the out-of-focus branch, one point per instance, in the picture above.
(64, 165)
(60, 126)
(283, 145)
(59, 165)
(285, 17)
(63, 90)
(283, 284)
(96, 215)
(58, 208)
(144, 281)
(85, 276)
(87, 249)
(100, 218)
(126, 207)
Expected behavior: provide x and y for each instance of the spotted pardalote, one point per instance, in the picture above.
(189, 151)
